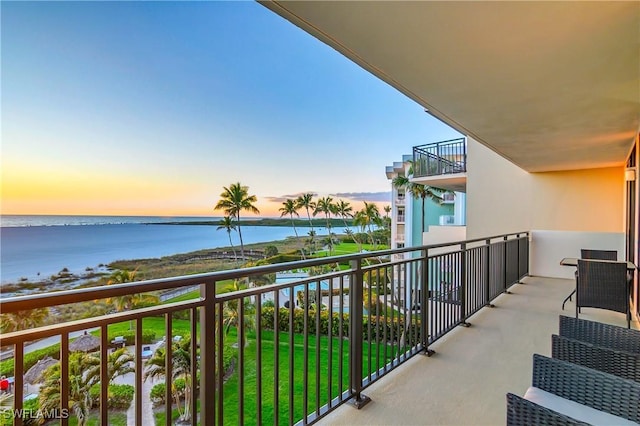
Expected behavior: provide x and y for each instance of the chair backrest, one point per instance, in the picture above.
(602, 285)
(599, 254)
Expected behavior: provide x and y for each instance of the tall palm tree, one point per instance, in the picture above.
(233, 200)
(344, 210)
(325, 205)
(290, 207)
(369, 216)
(419, 191)
(227, 224)
(306, 201)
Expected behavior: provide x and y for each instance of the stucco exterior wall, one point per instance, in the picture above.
(498, 194)
(565, 211)
(579, 200)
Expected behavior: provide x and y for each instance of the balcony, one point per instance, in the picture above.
(400, 218)
(319, 368)
(448, 198)
(400, 201)
(441, 164)
(466, 380)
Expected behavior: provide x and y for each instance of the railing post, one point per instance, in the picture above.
(488, 274)
(424, 303)
(463, 285)
(208, 354)
(356, 296)
(504, 266)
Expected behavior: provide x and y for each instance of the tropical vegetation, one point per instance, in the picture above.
(235, 199)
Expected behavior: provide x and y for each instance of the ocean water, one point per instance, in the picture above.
(40, 246)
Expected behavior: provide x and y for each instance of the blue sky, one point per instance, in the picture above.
(153, 107)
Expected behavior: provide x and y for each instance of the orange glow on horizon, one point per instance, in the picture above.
(36, 190)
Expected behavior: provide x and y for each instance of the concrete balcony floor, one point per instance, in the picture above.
(466, 380)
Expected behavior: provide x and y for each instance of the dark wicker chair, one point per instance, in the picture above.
(601, 391)
(620, 363)
(599, 254)
(604, 285)
(521, 412)
(596, 255)
(597, 333)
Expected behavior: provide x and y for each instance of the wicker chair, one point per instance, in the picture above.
(597, 333)
(599, 254)
(604, 285)
(620, 363)
(601, 391)
(595, 255)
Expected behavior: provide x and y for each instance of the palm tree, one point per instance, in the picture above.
(227, 224)
(130, 301)
(290, 207)
(306, 201)
(344, 210)
(119, 363)
(231, 311)
(367, 217)
(233, 200)
(22, 320)
(181, 369)
(419, 191)
(325, 205)
(82, 376)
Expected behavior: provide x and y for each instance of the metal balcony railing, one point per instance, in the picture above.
(440, 158)
(289, 352)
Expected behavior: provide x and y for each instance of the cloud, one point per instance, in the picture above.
(365, 196)
(284, 198)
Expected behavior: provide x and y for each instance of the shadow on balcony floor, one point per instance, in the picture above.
(466, 381)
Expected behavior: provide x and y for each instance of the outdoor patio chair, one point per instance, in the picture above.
(620, 363)
(597, 333)
(563, 393)
(604, 285)
(596, 255)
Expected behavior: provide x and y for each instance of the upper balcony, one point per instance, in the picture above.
(441, 164)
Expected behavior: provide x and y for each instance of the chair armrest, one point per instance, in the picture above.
(602, 391)
(521, 412)
(600, 334)
(620, 363)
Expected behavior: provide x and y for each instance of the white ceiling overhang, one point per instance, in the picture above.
(547, 85)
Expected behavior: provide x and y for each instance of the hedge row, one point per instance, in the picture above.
(377, 328)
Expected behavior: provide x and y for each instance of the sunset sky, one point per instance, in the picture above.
(150, 108)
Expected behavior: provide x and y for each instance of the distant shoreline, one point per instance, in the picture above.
(300, 223)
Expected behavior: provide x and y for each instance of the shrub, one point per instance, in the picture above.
(270, 251)
(119, 397)
(148, 336)
(280, 258)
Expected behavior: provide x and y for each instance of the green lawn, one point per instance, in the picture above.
(231, 393)
(155, 324)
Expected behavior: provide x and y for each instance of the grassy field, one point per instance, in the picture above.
(298, 374)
